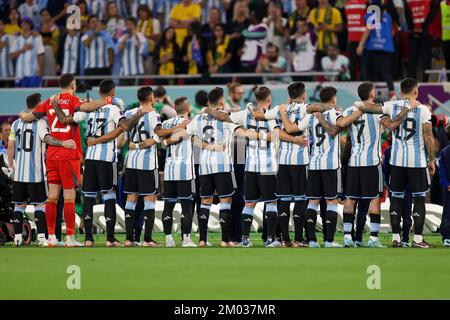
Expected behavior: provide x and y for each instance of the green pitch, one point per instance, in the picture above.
(225, 273)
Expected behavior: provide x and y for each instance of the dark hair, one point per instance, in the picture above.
(163, 42)
(160, 92)
(92, 16)
(43, 10)
(131, 19)
(18, 14)
(302, 19)
(180, 105)
(65, 80)
(215, 95)
(144, 93)
(271, 45)
(201, 98)
(407, 85)
(364, 90)
(33, 100)
(296, 90)
(144, 7)
(327, 93)
(262, 93)
(106, 86)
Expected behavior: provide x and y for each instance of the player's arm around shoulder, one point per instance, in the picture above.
(331, 128)
(289, 126)
(349, 117)
(393, 123)
(429, 139)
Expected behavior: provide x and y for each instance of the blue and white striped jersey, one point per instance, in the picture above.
(71, 54)
(217, 132)
(96, 55)
(325, 149)
(143, 159)
(179, 165)
(6, 67)
(408, 142)
(366, 139)
(261, 155)
(96, 7)
(136, 3)
(132, 55)
(26, 63)
(29, 150)
(291, 153)
(98, 123)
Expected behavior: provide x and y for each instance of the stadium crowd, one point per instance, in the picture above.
(199, 37)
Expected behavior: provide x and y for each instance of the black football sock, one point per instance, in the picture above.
(39, 219)
(331, 221)
(88, 215)
(247, 219)
(419, 215)
(17, 219)
(130, 214)
(395, 213)
(186, 216)
(203, 219)
(149, 220)
(299, 218)
(110, 214)
(224, 218)
(349, 219)
(311, 219)
(167, 216)
(284, 213)
(375, 220)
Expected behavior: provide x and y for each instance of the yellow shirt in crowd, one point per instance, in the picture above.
(181, 12)
(336, 19)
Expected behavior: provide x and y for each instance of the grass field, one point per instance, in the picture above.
(225, 273)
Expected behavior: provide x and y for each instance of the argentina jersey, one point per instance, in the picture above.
(103, 121)
(325, 149)
(71, 53)
(216, 132)
(365, 136)
(29, 150)
(179, 165)
(96, 54)
(143, 159)
(6, 67)
(27, 63)
(408, 142)
(261, 155)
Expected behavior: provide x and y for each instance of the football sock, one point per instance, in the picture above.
(167, 216)
(50, 215)
(186, 216)
(203, 222)
(224, 218)
(39, 219)
(349, 219)
(247, 219)
(395, 213)
(88, 214)
(130, 208)
(271, 214)
(375, 220)
(110, 214)
(17, 218)
(331, 221)
(396, 237)
(149, 220)
(299, 217)
(418, 238)
(311, 216)
(419, 215)
(283, 217)
(69, 217)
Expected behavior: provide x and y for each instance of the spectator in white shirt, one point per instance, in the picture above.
(336, 62)
(303, 48)
(31, 10)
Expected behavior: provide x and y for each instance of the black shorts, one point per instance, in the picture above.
(259, 187)
(143, 182)
(324, 184)
(364, 182)
(291, 181)
(99, 176)
(33, 193)
(179, 190)
(224, 183)
(416, 180)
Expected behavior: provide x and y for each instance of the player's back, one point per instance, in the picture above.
(179, 165)
(365, 136)
(29, 150)
(325, 149)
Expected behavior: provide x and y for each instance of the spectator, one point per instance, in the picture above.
(151, 29)
(136, 4)
(355, 10)
(277, 26)
(272, 63)
(50, 38)
(133, 47)
(444, 174)
(240, 23)
(419, 15)
(301, 12)
(98, 50)
(327, 22)
(191, 51)
(181, 17)
(445, 14)
(163, 8)
(31, 10)
(5, 131)
(166, 53)
(69, 52)
(96, 8)
(6, 67)
(336, 62)
(201, 102)
(13, 26)
(218, 55)
(207, 29)
(222, 6)
(378, 47)
(163, 104)
(303, 47)
(115, 25)
(27, 52)
(57, 10)
(84, 15)
(235, 94)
